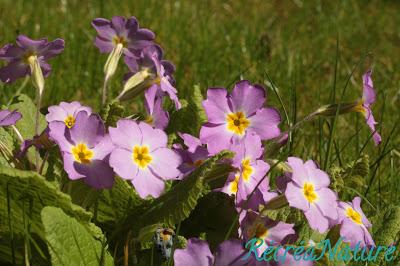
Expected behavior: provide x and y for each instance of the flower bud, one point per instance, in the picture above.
(136, 84)
(37, 74)
(112, 61)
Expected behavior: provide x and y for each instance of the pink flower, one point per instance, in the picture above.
(141, 156)
(308, 191)
(354, 224)
(232, 116)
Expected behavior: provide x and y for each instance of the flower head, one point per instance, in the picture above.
(368, 99)
(271, 232)
(156, 115)
(197, 253)
(23, 55)
(141, 156)
(193, 156)
(354, 224)
(251, 168)
(86, 149)
(66, 112)
(121, 31)
(232, 116)
(8, 118)
(309, 192)
(155, 71)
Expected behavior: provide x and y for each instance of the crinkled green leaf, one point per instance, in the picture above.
(191, 116)
(386, 229)
(112, 112)
(70, 243)
(27, 190)
(114, 204)
(7, 147)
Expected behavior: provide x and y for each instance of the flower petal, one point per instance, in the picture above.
(216, 105)
(13, 71)
(247, 97)
(126, 135)
(196, 253)
(147, 184)
(152, 137)
(165, 163)
(98, 174)
(216, 137)
(327, 203)
(8, 118)
(316, 219)
(295, 197)
(88, 129)
(230, 252)
(265, 123)
(121, 161)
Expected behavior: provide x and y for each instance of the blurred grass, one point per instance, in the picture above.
(214, 43)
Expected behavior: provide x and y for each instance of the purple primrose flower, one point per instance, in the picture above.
(158, 71)
(368, 99)
(66, 112)
(193, 156)
(232, 116)
(20, 56)
(141, 156)
(354, 224)
(309, 192)
(85, 149)
(251, 168)
(271, 232)
(121, 31)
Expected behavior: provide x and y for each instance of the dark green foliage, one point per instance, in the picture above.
(112, 112)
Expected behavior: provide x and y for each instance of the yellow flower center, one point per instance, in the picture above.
(247, 170)
(82, 153)
(258, 230)
(29, 57)
(234, 184)
(353, 215)
(149, 120)
(309, 192)
(69, 121)
(237, 123)
(121, 40)
(261, 231)
(360, 108)
(141, 156)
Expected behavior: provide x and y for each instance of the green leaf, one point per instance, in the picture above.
(191, 116)
(27, 193)
(113, 204)
(27, 108)
(353, 175)
(7, 147)
(386, 229)
(70, 243)
(112, 112)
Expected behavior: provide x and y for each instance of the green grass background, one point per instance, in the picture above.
(214, 43)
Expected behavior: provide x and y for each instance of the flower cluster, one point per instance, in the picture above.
(139, 151)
